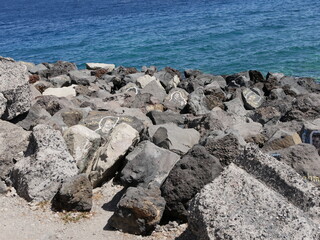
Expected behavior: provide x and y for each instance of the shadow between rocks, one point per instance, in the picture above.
(111, 206)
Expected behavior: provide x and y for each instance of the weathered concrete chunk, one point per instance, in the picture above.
(139, 211)
(282, 139)
(253, 98)
(14, 87)
(95, 66)
(281, 178)
(13, 143)
(47, 163)
(304, 158)
(82, 144)
(75, 194)
(174, 138)
(238, 206)
(196, 169)
(107, 157)
(147, 165)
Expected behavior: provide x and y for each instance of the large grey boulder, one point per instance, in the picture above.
(195, 169)
(58, 68)
(176, 99)
(147, 165)
(168, 116)
(13, 143)
(81, 77)
(155, 89)
(138, 211)
(82, 143)
(238, 206)
(15, 93)
(107, 158)
(47, 163)
(95, 66)
(75, 194)
(60, 81)
(36, 115)
(197, 102)
(61, 92)
(174, 138)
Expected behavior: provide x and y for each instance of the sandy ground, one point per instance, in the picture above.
(21, 220)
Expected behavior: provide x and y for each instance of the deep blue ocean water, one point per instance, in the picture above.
(215, 36)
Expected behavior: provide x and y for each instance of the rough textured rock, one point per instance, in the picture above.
(238, 80)
(226, 146)
(14, 87)
(282, 139)
(3, 187)
(81, 77)
(166, 117)
(58, 68)
(36, 115)
(144, 80)
(266, 115)
(235, 106)
(95, 66)
(60, 81)
(283, 179)
(252, 98)
(82, 144)
(139, 211)
(107, 157)
(248, 130)
(47, 163)
(238, 206)
(196, 169)
(53, 104)
(61, 92)
(304, 158)
(147, 165)
(75, 194)
(168, 77)
(174, 138)
(155, 89)
(3, 104)
(13, 143)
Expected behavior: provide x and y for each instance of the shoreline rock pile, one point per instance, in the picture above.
(235, 156)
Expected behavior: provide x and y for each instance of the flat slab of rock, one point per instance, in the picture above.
(107, 157)
(147, 165)
(238, 206)
(13, 143)
(15, 93)
(95, 66)
(174, 138)
(75, 194)
(48, 162)
(61, 92)
(195, 169)
(139, 211)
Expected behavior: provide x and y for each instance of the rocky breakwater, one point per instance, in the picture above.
(235, 156)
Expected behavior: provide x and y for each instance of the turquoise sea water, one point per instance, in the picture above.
(217, 36)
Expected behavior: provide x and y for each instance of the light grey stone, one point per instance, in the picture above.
(46, 165)
(60, 81)
(238, 206)
(95, 66)
(252, 98)
(61, 92)
(176, 99)
(81, 77)
(14, 86)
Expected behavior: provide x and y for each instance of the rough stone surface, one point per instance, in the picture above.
(3, 104)
(145, 80)
(107, 157)
(148, 165)
(174, 138)
(60, 81)
(195, 169)
(3, 187)
(155, 89)
(14, 87)
(13, 142)
(166, 117)
(81, 77)
(235, 106)
(226, 146)
(47, 163)
(36, 115)
(283, 179)
(75, 194)
(197, 102)
(247, 130)
(266, 115)
(237, 206)
(139, 211)
(252, 98)
(176, 99)
(58, 68)
(82, 144)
